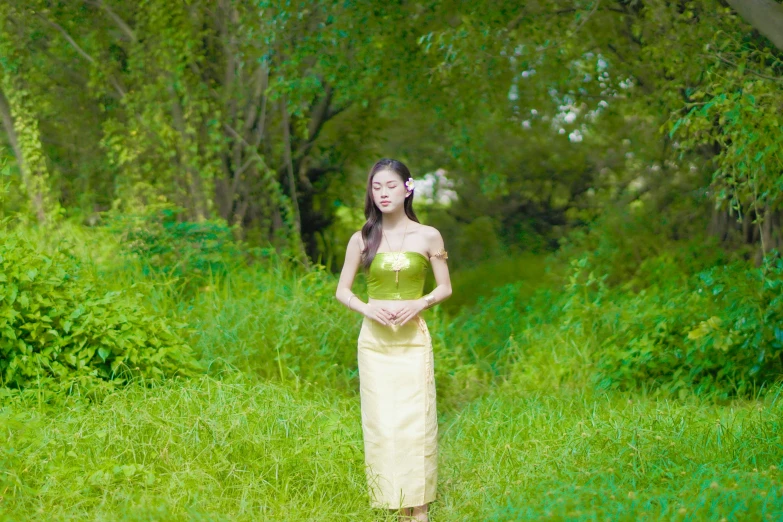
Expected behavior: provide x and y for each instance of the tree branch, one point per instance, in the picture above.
(82, 52)
(733, 64)
(119, 21)
(589, 15)
(68, 38)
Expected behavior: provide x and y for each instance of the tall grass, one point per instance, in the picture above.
(278, 323)
(273, 431)
(530, 455)
(233, 449)
(207, 449)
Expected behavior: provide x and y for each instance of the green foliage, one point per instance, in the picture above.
(629, 247)
(743, 336)
(472, 282)
(714, 333)
(633, 309)
(736, 108)
(166, 245)
(478, 343)
(60, 328)
(279, 322)
(5, 184)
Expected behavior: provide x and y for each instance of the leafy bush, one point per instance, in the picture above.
(715, 331)
(718, 332)
(164, 244)
(629, 246)
(59, 327)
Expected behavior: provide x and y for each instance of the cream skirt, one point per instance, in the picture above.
(399, 420)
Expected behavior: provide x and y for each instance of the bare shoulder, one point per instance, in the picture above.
(356, 240)
(434, 240)
(432, 234)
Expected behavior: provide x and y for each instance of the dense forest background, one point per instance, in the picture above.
(178, 183)
(268, 115)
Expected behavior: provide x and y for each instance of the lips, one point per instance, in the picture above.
(385, 203)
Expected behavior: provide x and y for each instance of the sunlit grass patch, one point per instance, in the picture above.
(518, 455)
(205, 449)
(237, 450)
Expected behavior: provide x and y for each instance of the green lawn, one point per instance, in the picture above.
(232, 449)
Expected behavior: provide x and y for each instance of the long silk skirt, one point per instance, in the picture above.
(399, 419)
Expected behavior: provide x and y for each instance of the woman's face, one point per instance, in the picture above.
(388, 191)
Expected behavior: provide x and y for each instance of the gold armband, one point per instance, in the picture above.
(430, 299)
(441, 254)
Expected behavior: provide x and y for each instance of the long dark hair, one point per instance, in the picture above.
(372, 229)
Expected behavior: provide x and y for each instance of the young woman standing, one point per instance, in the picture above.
(397, 385)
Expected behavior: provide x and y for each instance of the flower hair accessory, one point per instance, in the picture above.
(409, 184)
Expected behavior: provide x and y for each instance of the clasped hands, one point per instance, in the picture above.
(397, 315)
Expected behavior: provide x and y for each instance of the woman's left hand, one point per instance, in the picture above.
(408, 311)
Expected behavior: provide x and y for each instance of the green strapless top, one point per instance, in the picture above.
(381, 279)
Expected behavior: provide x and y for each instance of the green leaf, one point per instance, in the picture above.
(675, 127)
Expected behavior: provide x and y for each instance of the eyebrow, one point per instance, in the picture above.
(390, 181)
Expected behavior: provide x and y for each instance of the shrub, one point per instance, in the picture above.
(627, 247)
(716, 332)
(166, 245)
(60, 327)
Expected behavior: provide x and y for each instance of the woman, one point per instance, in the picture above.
(397, 386)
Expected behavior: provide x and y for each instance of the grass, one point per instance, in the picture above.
(234, 449)
(206, 449)
(518, 455)
(273, 432)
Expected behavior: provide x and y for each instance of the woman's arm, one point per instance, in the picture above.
(438, 256)
(344, 293)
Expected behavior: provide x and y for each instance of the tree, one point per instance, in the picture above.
(766, 16)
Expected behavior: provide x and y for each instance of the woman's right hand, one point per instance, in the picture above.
(378, 313)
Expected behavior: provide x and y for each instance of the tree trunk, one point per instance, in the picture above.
(766, 16)
(292, 180)
(193, 184)
(33, 181)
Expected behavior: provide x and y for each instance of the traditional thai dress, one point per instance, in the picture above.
(397, 386)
